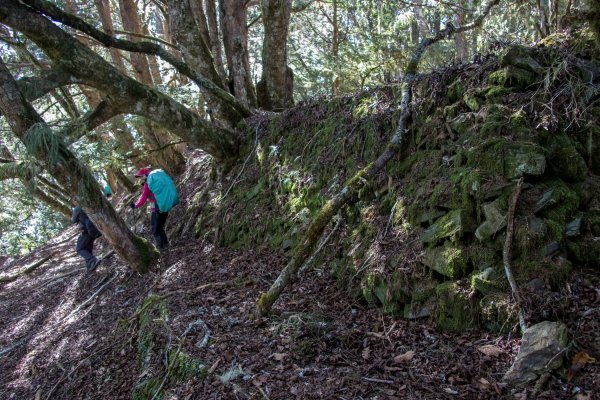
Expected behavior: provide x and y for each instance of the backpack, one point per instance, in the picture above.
(163, 188)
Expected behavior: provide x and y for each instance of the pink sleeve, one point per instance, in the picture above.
(145, 193)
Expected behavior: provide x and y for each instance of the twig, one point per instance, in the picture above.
(323, 243)
(507, 254)
(243, 165)
(79, 364)
(378, 380)
(26, 270)
(89, 300)
(391, 220)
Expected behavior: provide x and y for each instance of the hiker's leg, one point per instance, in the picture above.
(162, 220)
(155, 232)
(84, 248)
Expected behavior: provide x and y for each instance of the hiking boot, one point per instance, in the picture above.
(93, 265)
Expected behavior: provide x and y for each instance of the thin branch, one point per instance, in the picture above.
(507, 254)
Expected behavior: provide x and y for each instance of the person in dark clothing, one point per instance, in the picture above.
(158, 218)
(85, 241)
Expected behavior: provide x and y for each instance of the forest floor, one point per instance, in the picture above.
(68, 334)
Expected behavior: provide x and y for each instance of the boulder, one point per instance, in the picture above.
(512, 76)
(521, 57)
(495, 219)
(541, 351)
(454, 311)
(451, 225)
(449, 260)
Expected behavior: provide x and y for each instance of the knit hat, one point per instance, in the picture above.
(142, 172)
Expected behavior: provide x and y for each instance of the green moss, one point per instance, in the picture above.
(494, 93)
(472, 100)
(510, 159)
(452, 225)
(452, 110)
(563, 158)
(454, 311)
(512, 77)
(488, 281)
(148, 389)
(498, 312)
(563, 203)
(455, 91)
(183, 367)
(450, 260)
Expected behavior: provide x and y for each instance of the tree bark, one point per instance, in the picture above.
(126, 93)
(75, 177)
(131, 23)
(197, 55)
(103, 8)
(215, 42)
(235, 40)
(275, 90)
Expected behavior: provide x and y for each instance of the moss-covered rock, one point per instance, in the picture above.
(495, 219)
(498, 312)
(510, 159)
(521, 57)
(512, 76)
(490, 280)
(452, 225)
(454, 310)
(563, 158)
(456, 91)
(450, 260)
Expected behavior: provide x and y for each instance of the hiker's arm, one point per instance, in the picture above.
(143, 197)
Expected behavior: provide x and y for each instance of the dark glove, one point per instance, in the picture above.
(132, 205)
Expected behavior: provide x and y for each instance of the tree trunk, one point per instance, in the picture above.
(126, 93)
(131, 23)
(235, 40)
(74, 176)
(103, 8)
(215, 42)
(275, 90)
(196, 53)
(460, 39)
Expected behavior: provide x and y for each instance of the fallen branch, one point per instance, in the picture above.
(507, 254)
(189, 291)
(89, 300)
(26, 270)
(304, 248)
(65, 375)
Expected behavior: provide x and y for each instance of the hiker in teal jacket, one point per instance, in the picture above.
(159, 218)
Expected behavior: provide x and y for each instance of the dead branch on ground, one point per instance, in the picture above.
(26, 270)
(507, 254)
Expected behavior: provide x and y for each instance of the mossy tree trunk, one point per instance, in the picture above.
(126, 94)
(317, 226)
(70, 173)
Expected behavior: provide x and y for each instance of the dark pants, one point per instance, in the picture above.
(85, 246)
(158, 220)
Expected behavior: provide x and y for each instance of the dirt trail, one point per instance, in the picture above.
(319, 344)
